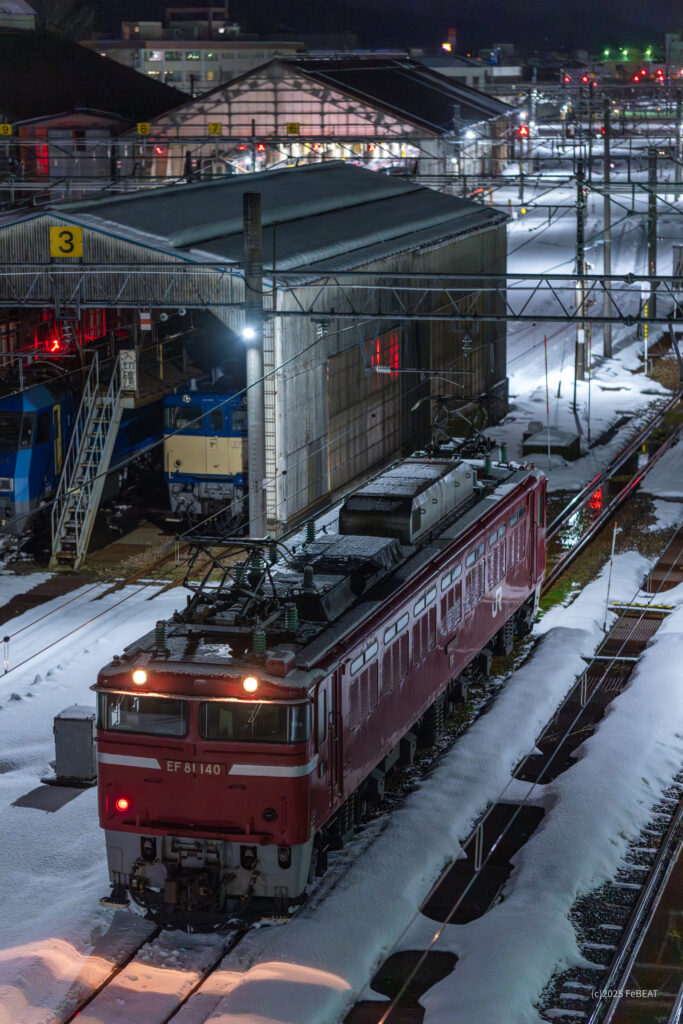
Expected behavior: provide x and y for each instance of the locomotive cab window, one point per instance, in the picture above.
(154, 716)
(10, 425)
(184, 417)
(216, 421)
(26, 431)
(255, 721)
(239, 420)
(43, 428)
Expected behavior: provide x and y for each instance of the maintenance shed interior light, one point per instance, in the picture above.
(250, 684)
(248, 333)
(139, 676)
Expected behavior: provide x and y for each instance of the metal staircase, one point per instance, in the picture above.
(85, 467)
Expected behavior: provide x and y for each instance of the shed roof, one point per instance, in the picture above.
(405, 88)
(43, 74)
(331, 215)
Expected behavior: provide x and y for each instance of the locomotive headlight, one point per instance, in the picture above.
(139, 676)
(250, 684)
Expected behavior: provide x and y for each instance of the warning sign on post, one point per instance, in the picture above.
(145, 321)
(129, 370)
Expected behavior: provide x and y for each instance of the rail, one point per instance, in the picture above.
(645, 908)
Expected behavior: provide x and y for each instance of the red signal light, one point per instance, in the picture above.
(595, 500)
(260, 147)
(159, 150)
(636, 78)
(566, 79)
(584, 78)
(122, 804)
(523, 131)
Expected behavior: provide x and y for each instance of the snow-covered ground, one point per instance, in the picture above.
(56, 942)
(52, 866)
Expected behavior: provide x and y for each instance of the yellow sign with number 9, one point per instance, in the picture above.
(66, 241)
(5, 129)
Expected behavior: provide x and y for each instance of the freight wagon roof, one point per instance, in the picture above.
(334, 215)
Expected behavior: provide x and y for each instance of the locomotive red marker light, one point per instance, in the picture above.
(122, 804)
(250, 684)
(139, 676)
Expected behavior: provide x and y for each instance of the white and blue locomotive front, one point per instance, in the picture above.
(205, 455)
(34, 429)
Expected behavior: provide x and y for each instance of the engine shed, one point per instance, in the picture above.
(330, 417)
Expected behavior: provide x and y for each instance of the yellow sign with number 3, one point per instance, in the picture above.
(66, 241)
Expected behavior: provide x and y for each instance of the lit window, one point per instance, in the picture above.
(155, 55)
(192, 55)
(173, 55)
(210, 76)
(210, 55)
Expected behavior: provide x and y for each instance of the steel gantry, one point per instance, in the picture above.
(305, 293)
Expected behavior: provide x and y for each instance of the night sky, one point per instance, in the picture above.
(531, 24)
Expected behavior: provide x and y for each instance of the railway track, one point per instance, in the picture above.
(153, 981)
(471, 885)
(562, 564)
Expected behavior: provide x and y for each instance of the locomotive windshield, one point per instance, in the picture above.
(14, 434)
(158, 716)
(255, 721)
(183, 417)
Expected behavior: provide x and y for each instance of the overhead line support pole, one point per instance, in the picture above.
(652, 226)
(580, 346)
(607, 236)
(253, 335)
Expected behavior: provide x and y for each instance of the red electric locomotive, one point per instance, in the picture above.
(238, 739)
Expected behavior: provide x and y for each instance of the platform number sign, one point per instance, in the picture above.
(5, 129)
(143, 127)
(293, 127)
(215, 127)
(66, 241)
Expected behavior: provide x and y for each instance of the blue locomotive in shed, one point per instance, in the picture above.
(205, 455)
(35, 430)
(35, 425)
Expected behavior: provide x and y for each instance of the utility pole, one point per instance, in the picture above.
(580, 346)
(607, 236)
(253, 336)
(652, 225)
(590, 131)
(678, 154)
